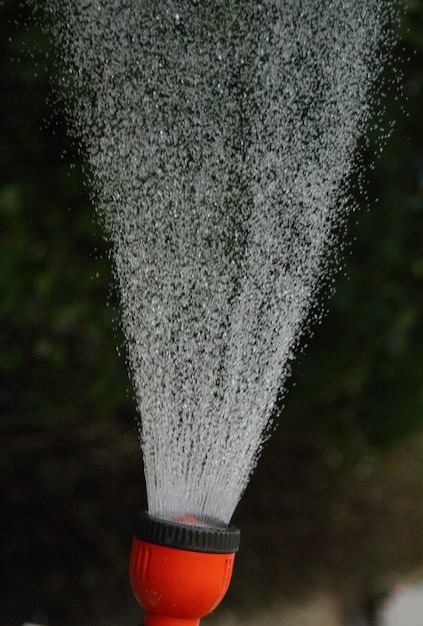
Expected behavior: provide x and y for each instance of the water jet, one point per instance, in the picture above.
(218, 137)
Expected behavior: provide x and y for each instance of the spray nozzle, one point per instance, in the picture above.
(180, 572)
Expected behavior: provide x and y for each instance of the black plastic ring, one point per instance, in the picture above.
(175, 534)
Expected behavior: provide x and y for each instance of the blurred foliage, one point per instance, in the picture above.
(361, 378)
(58, 335)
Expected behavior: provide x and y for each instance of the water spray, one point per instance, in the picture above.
(220, 137)
(180, 570)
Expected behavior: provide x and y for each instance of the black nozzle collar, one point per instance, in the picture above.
(186, 536)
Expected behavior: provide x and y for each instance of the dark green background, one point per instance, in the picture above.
(356, 389)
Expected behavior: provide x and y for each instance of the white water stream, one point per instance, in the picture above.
(219, 136)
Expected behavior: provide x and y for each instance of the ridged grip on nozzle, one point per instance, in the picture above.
(186, 536)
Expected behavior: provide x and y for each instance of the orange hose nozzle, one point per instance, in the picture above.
(180, 572)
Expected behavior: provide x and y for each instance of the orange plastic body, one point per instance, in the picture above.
(177, 587)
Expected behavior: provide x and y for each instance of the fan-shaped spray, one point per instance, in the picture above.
(219, 136)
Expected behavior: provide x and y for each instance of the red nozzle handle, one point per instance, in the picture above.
(178, 587)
